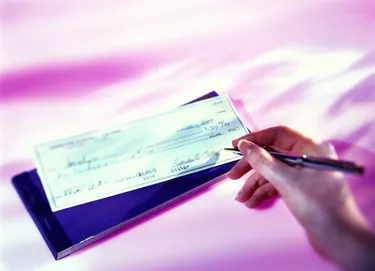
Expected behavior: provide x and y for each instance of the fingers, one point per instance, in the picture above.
(275, 171)
(249, 187)
(241, 168)
(327, 149)
(264, 137)
(255, 190)
(280, 137)
(264, 192)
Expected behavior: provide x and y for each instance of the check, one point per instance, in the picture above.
(107, 162)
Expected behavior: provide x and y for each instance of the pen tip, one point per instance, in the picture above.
(231, 149)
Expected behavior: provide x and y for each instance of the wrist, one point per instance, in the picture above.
(357, 246)
(347, 239)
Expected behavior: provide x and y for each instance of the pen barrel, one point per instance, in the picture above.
(320, 163)
(332, 165)
(313, 162)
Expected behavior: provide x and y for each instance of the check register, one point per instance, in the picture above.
(88, 186)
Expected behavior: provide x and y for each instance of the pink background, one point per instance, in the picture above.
(69, 66)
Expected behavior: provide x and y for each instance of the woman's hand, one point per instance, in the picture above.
(320, 200)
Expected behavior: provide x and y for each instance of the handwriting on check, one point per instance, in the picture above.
(108, 162)
(207, 129)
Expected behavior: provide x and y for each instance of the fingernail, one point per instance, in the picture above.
(245, 147)
(251, 203)
(229, 173)
(239, 195)
(234, 142)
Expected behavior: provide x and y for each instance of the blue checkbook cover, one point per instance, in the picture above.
(71, 229)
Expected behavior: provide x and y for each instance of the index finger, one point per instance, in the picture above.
(278, 137)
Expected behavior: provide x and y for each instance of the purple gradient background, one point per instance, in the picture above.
(68, 66)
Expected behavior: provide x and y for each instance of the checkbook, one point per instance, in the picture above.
(118, 159)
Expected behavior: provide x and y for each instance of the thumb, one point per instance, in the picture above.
(275, 171)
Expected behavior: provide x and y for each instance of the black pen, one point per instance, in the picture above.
(313, 162)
